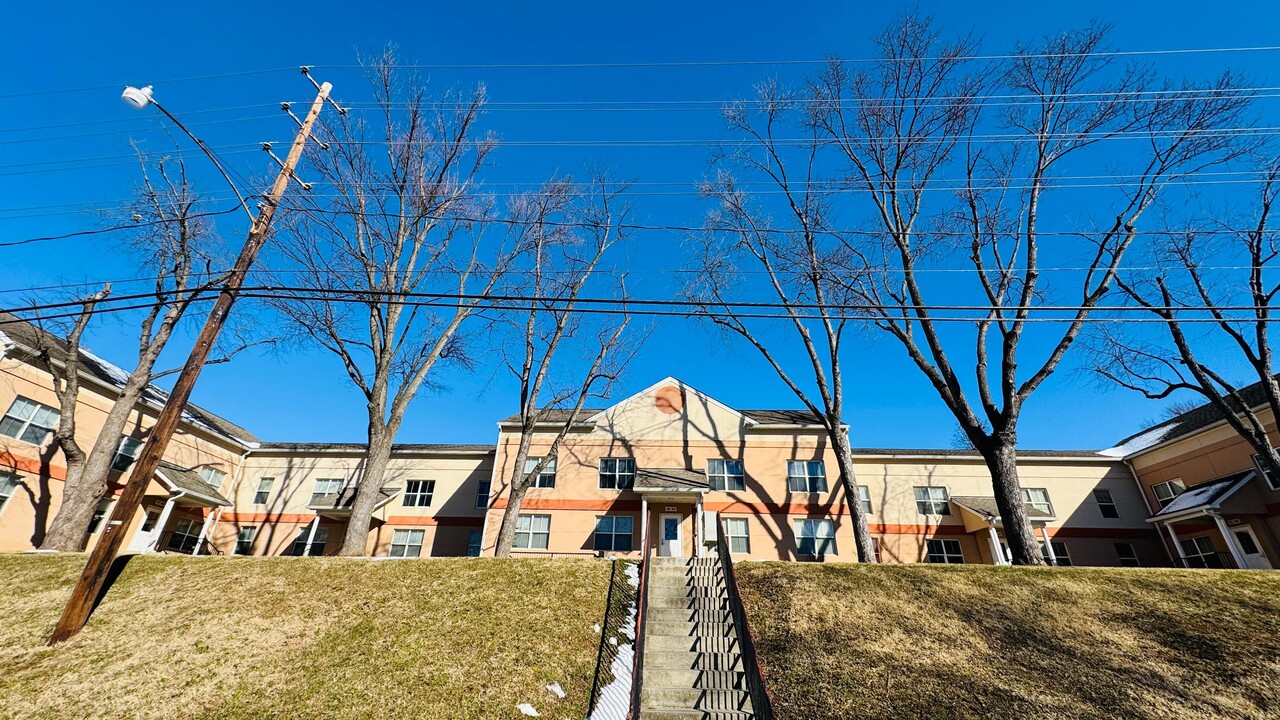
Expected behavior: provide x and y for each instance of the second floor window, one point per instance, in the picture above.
(417, 493)
(726, 475)
(1272, 482)
(126, 453)
(806, 476)
(325, 486)
(1106, 504)
(864, 498)
(212, 475)
(482, 494)
(1038, 498)
(264, 491)
(1165, 492)
(932, 501)
(546, 478)
(28, 421)
(617, 473)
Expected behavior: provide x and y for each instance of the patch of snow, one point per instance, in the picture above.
(527, 709)
(1195, 497)
(556, 690)
(614, 700)
(1139, 442)
(596, 628)
(118, 375)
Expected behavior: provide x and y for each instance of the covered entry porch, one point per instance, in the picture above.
(178, 517)
(1211, 525)
(981, 518)
(672, 519)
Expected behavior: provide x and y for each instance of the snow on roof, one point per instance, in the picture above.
(1207, 494)
(1143, 440)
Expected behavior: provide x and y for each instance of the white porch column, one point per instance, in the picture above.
(1048, 546)
(204, 530)
(1237, 552)
(311, 536)
(644, 526)
(997, 554)
(698, 529)
(1177, 544)
(160, 523)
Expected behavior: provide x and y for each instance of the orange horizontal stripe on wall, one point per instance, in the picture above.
(835, 507)
(419, 521)
(268, 517)
(558, 504)
(9, 461)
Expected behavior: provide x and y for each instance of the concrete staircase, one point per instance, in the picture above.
(692, 669)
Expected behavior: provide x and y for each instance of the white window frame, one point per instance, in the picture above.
(317, 493)
(1044, 506)
(620, 472)
(1168, 486)
(1109, 502)
(1266, 476)
(806, 476)
(188, 528)
(8, 488)
(475, 542)
(1060, 553)
(419, 497)
(263, 493)
(944, 551)
(1199, 543)
(725, 475)
(318, 541)
(213, 476)
(407, 542)
(26, 418)
(1129, 559)
(482, 493)
(613, 534)
(528, 535)
(100, 513)
(546, 478)
(737, 535)
(245, 544)
(932, 500)
(864, 498)
(821, 532)
(127, 449)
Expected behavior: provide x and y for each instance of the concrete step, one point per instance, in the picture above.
(688, 591)
(669, 614)
(659, 677)
(690, 714)
(681, 659)
(690, 643)
(693, 698)
(690, 629)
(699, 603)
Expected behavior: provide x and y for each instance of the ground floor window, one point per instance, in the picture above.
(736, 535)
(533, 532)
(473, 543)
(1060, 556)
(1200, 553)
(407, 543)
(613, 533)
(99, 514)
(1127, 555)
(185, 535)
(8, 486)
(947, 552)
(317, 542)
(244, 539)
(815, 537)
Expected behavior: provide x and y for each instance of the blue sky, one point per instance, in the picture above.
(77, 56)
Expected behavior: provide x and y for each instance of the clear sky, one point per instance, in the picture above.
(65, 155)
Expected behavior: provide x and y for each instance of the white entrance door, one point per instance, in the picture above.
(1254, 557)
(672, 538)
(148, 533)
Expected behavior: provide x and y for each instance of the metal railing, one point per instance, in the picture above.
(617, 606)
(1214, 560)
(185, 544)
(746, 646)
(642, 612)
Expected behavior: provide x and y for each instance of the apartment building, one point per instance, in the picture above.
(668, 466)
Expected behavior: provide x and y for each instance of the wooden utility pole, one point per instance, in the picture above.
(85, 594)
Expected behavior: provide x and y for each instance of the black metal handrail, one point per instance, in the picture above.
(760, 702)
(642, 612)
(185, 544)
(1213, 560)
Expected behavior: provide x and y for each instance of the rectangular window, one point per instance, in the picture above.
(933, 501)
(1060, 556)
(1038, 498)
(28, 421)
(407, 543)
(126, 453)
(533, 532)
(1165, 492)
(244, 539)
(317, 542)
(737, 535)
(946, 552)
(325, 486)
(212, 475)
(1271, 481)
(185, 535)
(617, 473)
(815, 537)
(546, 478)
(1200, 553)
(417, 493)
(806, 476)
(613, 533)
(864, 498)
(1127, 555)
(8, 486)
(100, 513)
(875, 548)
(482, 494)
(1106, 505)
(726, 475)
(264, 491)
(473, 543)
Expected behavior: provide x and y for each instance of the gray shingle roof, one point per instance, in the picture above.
(765, 417)
(986, 507)
(670, 479)
(1204, 495)
(342, 501)
(360, 447)
(1182, 425)
(964, 452)
(189, 480)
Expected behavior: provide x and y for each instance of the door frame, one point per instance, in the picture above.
(145, 540)
(1261, 552)
(662, 541)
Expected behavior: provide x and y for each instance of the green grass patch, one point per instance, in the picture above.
(303, 638)
(919, 641)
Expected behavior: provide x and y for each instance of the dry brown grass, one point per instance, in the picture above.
(845, 641)
(303, 638)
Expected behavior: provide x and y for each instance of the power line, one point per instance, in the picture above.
(117, 228)
(117, 86)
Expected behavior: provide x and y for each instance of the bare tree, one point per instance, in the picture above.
(391, 254)
(565, 239)
(895, 130)
(179, 247)
(1204, 301)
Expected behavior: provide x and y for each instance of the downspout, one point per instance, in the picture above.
(209, 528)
(1164, 542)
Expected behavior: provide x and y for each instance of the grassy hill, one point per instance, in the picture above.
(842, 641)
(303, 638)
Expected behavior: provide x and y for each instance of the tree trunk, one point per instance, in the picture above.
(1001, 456)
(849, 482)
(356, 540)
(518, 484)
